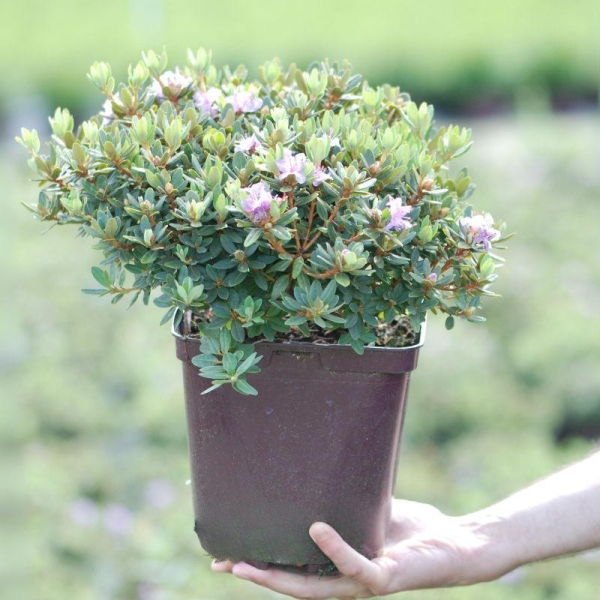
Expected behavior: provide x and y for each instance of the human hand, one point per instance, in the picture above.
(425, 549)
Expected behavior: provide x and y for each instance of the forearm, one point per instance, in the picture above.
(556, 516)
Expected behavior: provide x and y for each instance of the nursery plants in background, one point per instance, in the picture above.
(298, 229)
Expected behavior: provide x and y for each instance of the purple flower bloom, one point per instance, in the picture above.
(399, 215)
(207, 101)
(432, 277)
(258, 202)
(292, 165)
(248, 144)
(244, 101)
(117, 519)
(481, 229)
(83, 512)
(175, 81)
(319, 176)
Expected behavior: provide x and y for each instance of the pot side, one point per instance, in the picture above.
(319, 443)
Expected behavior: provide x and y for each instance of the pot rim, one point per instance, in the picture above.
(295, 344)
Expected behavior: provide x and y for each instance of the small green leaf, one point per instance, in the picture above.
(357, 346)
(252, 237)
(224, 340)
(230, 363)
(296, 320)
(237, 331)
(241, 385)
(342, 279)
(297, 268)
(279, 286)
(247, 363)
(209, 345)
(101, 276)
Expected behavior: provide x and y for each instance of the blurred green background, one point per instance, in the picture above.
(92, 429)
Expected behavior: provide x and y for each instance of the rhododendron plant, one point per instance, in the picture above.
(305, 205)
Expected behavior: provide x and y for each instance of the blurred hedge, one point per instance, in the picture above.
(461, 55)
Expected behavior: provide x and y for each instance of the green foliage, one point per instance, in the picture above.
(306, 201)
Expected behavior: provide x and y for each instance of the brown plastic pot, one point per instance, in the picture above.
(319, 443)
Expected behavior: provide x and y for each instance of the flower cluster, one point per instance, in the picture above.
(291, 167)
(399, 215)
(206, 101)
(244, 101)
(171, 84)
(305, 201)
(248, 144)
(258, 203)
(480, 228)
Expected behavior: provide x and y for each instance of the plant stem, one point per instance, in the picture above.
(332, 216)
(187, 322)
(290, 197)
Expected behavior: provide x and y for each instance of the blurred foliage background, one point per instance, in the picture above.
(92, 429)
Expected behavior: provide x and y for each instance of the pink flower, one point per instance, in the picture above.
(432, 277)
(481, 229)
(319, 176)
(248, 145)
(398, 215)
(207, 101)
(244, 101)
(292, 165)
(175, 82)
(258, 202)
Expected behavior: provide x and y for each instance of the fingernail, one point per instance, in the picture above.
(317, 530)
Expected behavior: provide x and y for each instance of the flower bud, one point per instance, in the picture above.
(195, 210)
(72, 203)
(148, 237)
(146, 206)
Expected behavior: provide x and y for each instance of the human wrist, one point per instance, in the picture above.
(556, 516)
(499, 546)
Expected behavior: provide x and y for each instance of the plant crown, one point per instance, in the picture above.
(305, 204)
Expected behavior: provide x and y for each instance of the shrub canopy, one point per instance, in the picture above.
(306, 204)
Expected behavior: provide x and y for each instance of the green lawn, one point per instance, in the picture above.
(92, 422)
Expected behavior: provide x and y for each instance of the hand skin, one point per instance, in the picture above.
(427, 549)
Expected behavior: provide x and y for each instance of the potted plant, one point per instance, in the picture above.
(299, 229)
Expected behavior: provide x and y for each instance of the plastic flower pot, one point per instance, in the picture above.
(319, 443)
